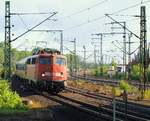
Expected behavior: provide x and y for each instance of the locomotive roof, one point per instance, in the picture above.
(23, 61)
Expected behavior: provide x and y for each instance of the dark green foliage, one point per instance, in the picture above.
(118, 76)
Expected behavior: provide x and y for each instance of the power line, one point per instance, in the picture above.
(23, 22)
(133, 6)
(84, 23)
(126, 15)
(87, 9)
(83, 10)
(101, 17)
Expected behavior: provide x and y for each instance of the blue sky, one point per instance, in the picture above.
(78, 19)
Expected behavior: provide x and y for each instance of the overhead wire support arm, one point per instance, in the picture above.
(40, 30)
(30, 13)
(122, 26)
(34, 26)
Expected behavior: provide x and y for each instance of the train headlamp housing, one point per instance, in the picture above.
(43, 75)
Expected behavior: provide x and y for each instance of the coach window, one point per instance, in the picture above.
(29, 60)
(33, 61)
(60, 61)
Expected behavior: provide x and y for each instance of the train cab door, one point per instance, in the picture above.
(45, 68)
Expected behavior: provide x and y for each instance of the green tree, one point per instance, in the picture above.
(113, 63)
(135, 72)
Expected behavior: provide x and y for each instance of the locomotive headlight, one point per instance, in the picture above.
(43, 75)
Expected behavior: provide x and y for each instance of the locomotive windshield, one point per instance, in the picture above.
(44, 60)
(60, 61)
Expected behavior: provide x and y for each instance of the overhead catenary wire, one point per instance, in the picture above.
(101, 17)
(127, 15)
(83, 10)
(130, 7)
(25, 25)
(86, 9)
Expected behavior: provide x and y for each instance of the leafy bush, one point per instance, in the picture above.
(147, 94)
(135, 72)
(124, 85)
(9, 99)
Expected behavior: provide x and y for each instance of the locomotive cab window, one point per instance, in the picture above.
(29, 61)
(60, 61)
(33, 61)
(43, 60)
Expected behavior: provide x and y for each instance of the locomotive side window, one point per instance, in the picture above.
(45, 61)
(20, 67)
(29, 60)
(33, 60)
(60, 61)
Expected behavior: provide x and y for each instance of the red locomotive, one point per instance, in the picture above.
(45, 70)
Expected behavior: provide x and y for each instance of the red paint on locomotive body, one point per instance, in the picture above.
(44, 67)
(48, 70)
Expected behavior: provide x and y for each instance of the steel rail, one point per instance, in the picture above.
(131, 110)
(81, 106)
(99, 81)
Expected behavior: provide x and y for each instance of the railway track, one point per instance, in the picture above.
(91, 110)
(134, 111)
(104, 81)
(104, 113)
(100, 113)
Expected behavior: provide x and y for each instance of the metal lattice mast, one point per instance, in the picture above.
(101, 55)
(143, 51)
(7, 49)
(124, 48)
(84, 60)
